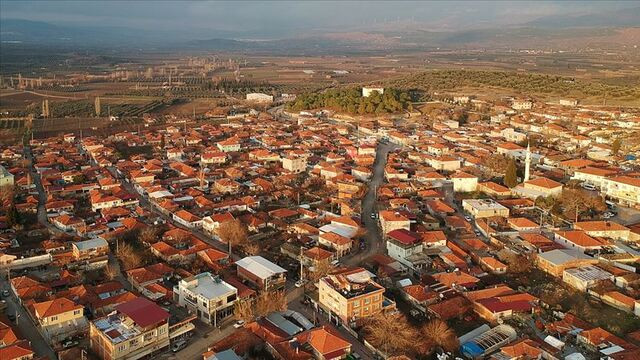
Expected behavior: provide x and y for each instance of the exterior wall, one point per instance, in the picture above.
(465, 184)
(295, 165)
(350, 309)
(400, 253)
(135, 348)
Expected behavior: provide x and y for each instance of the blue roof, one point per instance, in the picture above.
(471, 349)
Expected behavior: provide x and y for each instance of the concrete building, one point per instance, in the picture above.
(262, 273)
(294, 164)
(207, 296)
(585, 277)
(482, 208)
(352, 295)
(556, 261)
(259, 97)
(137, 328)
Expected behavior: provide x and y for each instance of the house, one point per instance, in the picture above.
(494, 189)
(482, 208)
(577, 239)
(369, 90)
(187, 219)
(585, 277)
(6, 178)
(58, 318)
(352, 295)
(593, 175)
(294, 164)
(341, 244)
(208, 296)
(406, 247)
(604, 229)
(91, 248)
(463, 182)
(556, 261)
(624, 189)
(391, 220)
(18, 350)
(537, 187)
(260, 272)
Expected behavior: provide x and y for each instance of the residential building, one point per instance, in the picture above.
(583, 278)
(137, 329)
(208, 296)
(260, 272)
(482, 208)
(351, 295)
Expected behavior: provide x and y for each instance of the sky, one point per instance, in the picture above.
(286, 18)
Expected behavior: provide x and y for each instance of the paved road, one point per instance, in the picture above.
(25, 325)
(373, 239)
(42, 196)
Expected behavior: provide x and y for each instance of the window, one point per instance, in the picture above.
(367, 301)
(53, 318)
(76, 312)
(356, 304)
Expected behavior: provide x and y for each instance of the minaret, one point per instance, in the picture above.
(527, 163)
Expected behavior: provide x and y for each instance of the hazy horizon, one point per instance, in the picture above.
(282, 18)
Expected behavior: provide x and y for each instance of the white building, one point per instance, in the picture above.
(568, 102)
(482, 208)
(294, 164)
(368, 90)
(521, 105)
(259, 97)
(207, 296)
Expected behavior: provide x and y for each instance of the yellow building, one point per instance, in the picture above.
(59, 318)
(352, 295)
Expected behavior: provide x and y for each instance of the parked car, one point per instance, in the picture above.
(5, 293)
(608, 215)
(588, 186)
(467, 217)
(238, 324)
(178, 345)
(374, 215)
(69, 344)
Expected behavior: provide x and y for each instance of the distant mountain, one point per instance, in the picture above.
(619, 18)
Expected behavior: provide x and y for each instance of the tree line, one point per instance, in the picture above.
(351, 101)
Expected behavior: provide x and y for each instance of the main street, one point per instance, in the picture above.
(373, 238)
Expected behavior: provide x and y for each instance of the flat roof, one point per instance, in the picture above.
(260, 266)
(207, 285)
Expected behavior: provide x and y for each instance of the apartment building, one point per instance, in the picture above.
(207, 296)
(352, 295)
(58, 318)
(137, 328)
(482, 208)
(624, 189)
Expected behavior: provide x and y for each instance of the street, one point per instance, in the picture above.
(373, 237)
(25, 325)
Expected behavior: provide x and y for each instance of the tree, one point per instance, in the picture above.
(511, 174)
(392, 334)
(7, 194)
(616, 145)
(321, 269)
(575, 202)
(438, 334)
(110, 272)
(270, 301)
(496, 163)
(128, 256)
(148, 235)
(243, 310)
(251, 248)
(13, 217)
(233, 233)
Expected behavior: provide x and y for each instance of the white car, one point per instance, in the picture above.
(238, 324)
(608, 215)
(300, 283)
(468, 218)
(588, 186)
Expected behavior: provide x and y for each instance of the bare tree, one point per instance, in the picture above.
(128, 256)
(110, 272)
(392, 334)
(148, 235)
(243, 310)
(576, 202)
(251, 248)
(233, 233)
(270, 301)
(438, 334)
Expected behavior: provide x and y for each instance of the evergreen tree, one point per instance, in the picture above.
(511, 174)
(13, 217)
